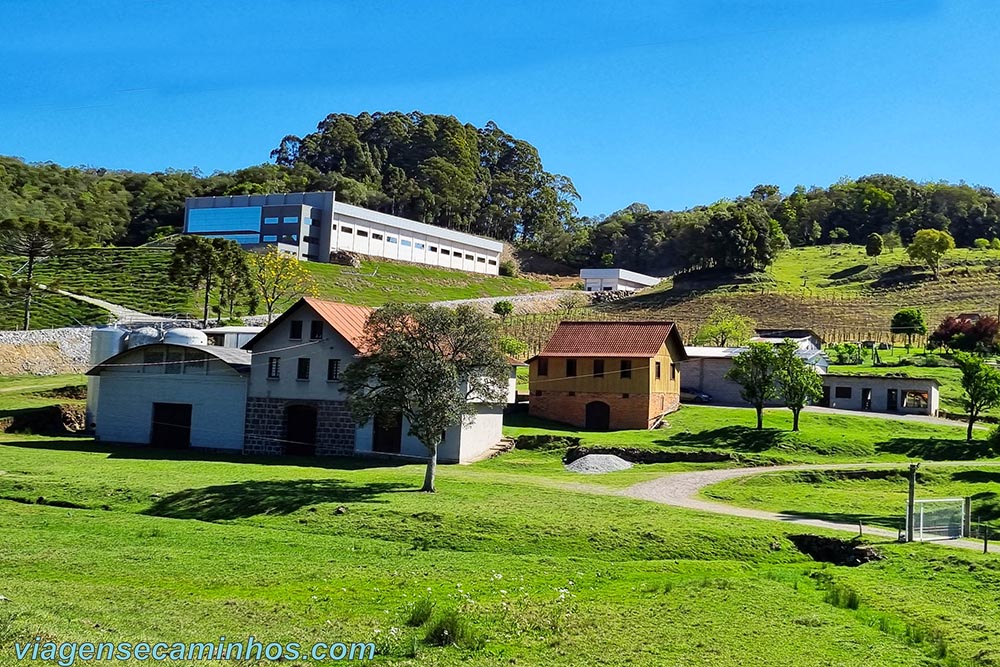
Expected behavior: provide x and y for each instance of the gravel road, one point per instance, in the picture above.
(681, 490)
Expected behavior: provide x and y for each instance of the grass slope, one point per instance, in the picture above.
(876, 497)
(137, 278)
(151, 548)
(109, 543)
(823, 437)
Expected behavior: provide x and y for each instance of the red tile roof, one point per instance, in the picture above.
(609, 339)
(348, 321)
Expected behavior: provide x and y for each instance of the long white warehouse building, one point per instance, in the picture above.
(312, 225)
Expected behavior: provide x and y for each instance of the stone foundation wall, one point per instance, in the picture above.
(266, 426)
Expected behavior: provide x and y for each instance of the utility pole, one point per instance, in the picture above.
(909, 502)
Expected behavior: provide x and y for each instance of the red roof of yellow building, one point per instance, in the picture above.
(610, 339)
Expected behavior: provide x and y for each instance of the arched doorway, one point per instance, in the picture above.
(300, 430)
(598, 416)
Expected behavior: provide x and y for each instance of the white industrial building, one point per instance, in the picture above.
(231, 336)
(615, 280)
(177, 393)
(706, 367)
(878, 393)
(312, 225)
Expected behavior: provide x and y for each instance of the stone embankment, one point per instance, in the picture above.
(45, 351)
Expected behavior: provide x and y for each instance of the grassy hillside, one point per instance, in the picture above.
(108, 543)
(836, 290)
(49, 311)
(875, 497)
(823, 437)
(137, 278)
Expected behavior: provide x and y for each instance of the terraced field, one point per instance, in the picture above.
(840, 293)
(137, 278)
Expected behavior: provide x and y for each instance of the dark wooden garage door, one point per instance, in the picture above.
(171, 425)
(300, 430)
(387, 434)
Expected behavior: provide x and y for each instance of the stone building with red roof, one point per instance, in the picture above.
(296, 405)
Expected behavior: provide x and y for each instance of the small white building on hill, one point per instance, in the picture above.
(615, 280)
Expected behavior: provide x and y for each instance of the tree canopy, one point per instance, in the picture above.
(436, 169)
(432, 365)
(754, 370)
(980, 384)
(725, 328)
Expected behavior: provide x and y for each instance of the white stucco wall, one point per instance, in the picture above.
(482, 434)
(277, 343)
(880, 387)
(217, 398)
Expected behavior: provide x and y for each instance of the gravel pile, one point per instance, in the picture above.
(595, 464)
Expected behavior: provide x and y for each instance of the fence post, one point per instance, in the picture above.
(967, 517)
(909, 502)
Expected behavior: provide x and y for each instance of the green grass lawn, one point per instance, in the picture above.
(823, 437)
(131, 544)
(24, 392)
(411, 283)
(49, 311)
(542, 567)
(876, 497)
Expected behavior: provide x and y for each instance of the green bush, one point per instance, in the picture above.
(844, 353)
(842, 597)
(508, 267)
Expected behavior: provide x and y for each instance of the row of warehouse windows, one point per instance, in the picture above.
(416, 244)
(303, 368)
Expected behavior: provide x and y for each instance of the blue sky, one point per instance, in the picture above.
(668, 103)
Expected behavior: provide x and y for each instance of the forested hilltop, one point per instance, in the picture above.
(425, 167)
(435, 169)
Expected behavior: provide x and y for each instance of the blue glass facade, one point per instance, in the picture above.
(238, 219)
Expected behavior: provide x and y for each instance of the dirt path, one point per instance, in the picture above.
(682, 490)
(120, 313)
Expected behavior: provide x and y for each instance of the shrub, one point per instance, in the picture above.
(453, 629)
(981, 244)
(992, 442)
(503, 309)
(508, 267)
(420, 612)
(967, 335)
(845, 353)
